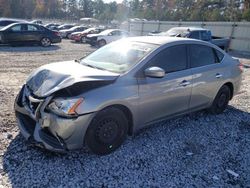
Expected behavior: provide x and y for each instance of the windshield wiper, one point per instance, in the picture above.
(92, 66)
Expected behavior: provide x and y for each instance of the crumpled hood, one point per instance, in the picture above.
(55, 76)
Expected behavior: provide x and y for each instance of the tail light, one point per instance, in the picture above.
(241, 66)
(57, 33)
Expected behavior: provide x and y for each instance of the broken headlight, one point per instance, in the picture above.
(64, 107)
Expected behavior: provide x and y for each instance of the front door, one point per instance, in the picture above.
(15, 34)
(162, 97)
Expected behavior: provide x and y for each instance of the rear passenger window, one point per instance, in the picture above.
(220, 55)
(171, 59)
(32, 28)
(201, 56)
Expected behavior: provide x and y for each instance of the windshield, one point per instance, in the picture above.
(118, 56)
(177, 32)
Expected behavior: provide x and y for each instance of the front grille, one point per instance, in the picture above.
(30, 102)
(32, 105)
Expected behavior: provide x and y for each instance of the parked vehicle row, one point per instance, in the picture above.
(93, 36)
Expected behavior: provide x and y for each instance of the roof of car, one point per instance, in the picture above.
(12, 19)
(159, 40)
(191, 28)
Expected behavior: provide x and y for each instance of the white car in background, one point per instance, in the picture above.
(106, 37)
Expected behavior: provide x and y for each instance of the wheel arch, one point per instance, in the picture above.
(231, 87)
(127, 113)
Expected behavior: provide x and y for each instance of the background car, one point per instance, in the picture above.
(106, 37)
(52, 26)
(65, 26)
(65, 33)
(37, 22)
(81, 36)
(26, 33)
(7, 21)
(195, 33)
(103, 97)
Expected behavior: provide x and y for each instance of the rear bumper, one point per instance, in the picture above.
(75, 38)
(56, 40)
(91, 41)
(48, 130)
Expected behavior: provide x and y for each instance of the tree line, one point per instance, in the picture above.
(169, 10)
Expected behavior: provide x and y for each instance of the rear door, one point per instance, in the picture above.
(33, 33)
(160, 97)
(207, 72)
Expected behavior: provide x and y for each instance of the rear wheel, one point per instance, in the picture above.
(221, 100)
(45, 42)
(107, 131)
(67, 36)
(101, 43)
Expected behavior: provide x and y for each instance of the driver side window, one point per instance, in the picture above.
(171, 59)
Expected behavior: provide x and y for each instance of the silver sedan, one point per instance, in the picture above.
(121, 88)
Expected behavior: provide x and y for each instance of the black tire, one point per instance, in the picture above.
(45, 42)
(67, 36)
(107, 131)
(221, 100)
(101, 43)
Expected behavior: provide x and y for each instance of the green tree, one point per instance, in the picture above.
(246, 15)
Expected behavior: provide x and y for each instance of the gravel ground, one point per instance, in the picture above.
(196, 150)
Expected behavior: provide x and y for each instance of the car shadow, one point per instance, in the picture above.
(33, 167)
(28, 48)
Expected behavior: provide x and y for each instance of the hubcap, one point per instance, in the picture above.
(45, 42)
(222, 100)
(107, 131)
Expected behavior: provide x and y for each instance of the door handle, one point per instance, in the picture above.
(218, 75)
(184, 83)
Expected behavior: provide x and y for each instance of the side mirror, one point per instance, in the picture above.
(154, 72)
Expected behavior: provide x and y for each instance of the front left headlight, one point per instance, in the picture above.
(64, 107)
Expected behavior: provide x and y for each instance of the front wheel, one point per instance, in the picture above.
(107, 131)
(101, 43)
(45, 42)
(221, 100)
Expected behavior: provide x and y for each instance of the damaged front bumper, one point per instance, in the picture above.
(46, 129)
